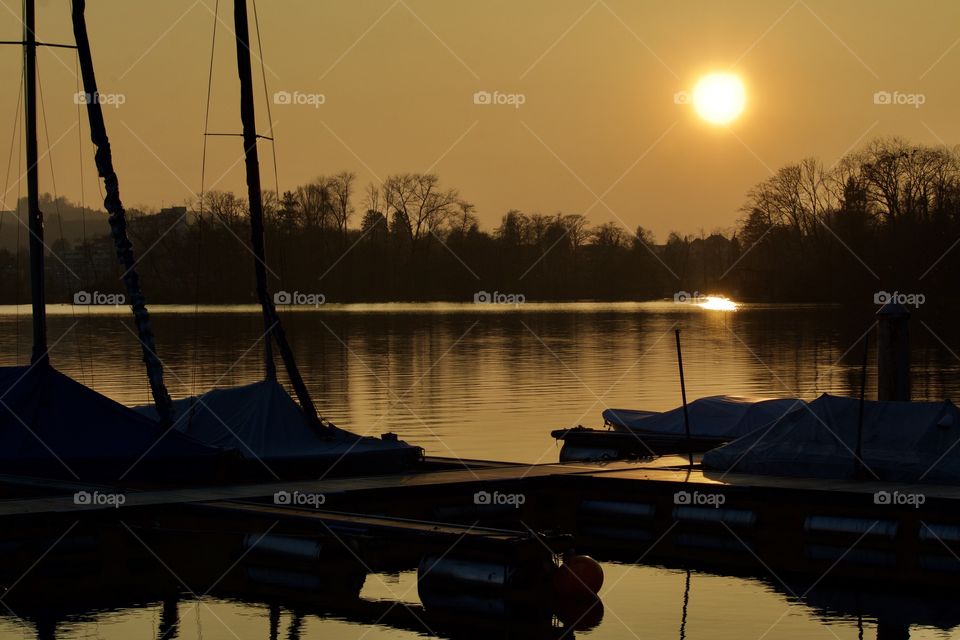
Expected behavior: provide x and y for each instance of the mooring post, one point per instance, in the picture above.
(893, 352)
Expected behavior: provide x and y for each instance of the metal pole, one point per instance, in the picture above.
(893, 352)
(271, 320)
(683, 394)
(863, 391)
(118, 218)
(35, 216)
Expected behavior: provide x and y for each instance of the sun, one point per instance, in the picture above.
(719, 97)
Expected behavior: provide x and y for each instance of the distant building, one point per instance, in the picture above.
(168, 220)
(90, 262)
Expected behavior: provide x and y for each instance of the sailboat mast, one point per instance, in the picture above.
(35, 216)
(271, 320)
(118, 218)
(248, 117)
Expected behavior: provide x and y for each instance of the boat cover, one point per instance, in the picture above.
(901, 442)
(50, 423)
(261, 421)
(721, 417)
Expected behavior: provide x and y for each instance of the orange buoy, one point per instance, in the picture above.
(580, 614)
(578, 576)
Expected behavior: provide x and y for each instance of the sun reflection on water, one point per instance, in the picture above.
(718, 303)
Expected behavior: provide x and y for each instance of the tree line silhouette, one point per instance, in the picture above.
(885, 217)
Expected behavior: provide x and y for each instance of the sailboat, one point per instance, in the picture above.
(55, 427)
(261, 421)
(50, 424)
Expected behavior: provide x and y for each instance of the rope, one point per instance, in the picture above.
(20, 162)
(203, 178)
(83, 218)
(16, 135)
(271, 137)
(13, 138)
(266, 99)
(56, 206)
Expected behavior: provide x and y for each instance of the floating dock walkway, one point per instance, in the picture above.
(665, 510)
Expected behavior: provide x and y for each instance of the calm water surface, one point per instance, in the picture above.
(490, 382)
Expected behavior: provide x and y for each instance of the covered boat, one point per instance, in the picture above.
(899, 442)
(265, 427)
(51, 425)
(54, 427)
(261, 422)
(713, 421)
(722, 418)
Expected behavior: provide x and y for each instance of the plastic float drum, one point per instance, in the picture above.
(299, 564)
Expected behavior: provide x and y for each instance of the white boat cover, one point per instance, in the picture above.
(721, 417)
(901, 442)
(261, 421)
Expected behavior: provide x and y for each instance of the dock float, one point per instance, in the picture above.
(666, 510)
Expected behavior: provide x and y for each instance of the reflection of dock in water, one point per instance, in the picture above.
(480, 563)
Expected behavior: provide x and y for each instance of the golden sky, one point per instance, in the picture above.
(598, 130)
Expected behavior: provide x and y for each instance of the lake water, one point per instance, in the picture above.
(490, 382)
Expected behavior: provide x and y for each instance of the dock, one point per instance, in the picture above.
(666, 509)
(483, 537)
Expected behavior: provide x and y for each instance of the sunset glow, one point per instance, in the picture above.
(718, 303)
(719, 98)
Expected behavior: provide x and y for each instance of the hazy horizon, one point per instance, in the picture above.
(598, 132)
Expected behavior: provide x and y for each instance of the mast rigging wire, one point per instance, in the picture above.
(203, 176)
(16, 135)
(56, 206)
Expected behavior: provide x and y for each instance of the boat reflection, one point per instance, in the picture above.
(97, 569)
(94, 571)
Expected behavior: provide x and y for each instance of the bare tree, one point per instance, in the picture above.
(419, 207)
(609, 235)
(313, 204)
(464, 219)
(340, 188)
(225, 206)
